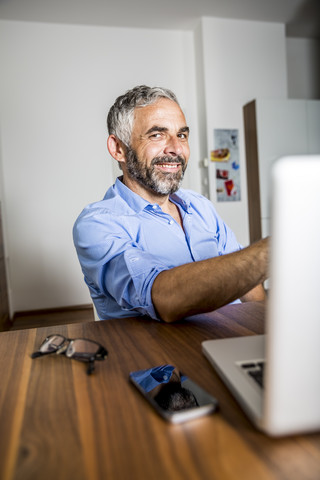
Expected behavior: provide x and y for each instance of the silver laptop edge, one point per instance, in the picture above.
(233, 376)
(291, 400)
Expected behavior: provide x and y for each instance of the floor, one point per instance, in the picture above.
(59, 316)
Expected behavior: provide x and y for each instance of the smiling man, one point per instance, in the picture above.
(150, 247)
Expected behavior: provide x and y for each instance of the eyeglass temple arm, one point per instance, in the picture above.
(40, 354)
(90, 368)
(36, 354)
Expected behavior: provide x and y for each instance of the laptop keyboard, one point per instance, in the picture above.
(255, 370)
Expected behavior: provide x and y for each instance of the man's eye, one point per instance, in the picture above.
(155, 135)
(184, 136)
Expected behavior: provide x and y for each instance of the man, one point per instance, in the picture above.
(149, 247)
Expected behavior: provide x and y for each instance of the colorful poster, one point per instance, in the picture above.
(226, 157)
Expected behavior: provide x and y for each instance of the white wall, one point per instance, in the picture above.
(242, 60)
(57, 83)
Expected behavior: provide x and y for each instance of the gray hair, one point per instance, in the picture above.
(120, 116)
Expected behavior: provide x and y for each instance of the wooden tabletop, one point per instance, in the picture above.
(56, 422)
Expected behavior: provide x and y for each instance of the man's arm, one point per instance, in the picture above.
(257, 294)
(206, 285)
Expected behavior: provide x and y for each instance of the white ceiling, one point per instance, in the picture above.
(301, 17)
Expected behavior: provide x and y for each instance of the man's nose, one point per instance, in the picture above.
(173, 146)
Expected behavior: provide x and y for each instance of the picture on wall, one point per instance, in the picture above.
(226, 157)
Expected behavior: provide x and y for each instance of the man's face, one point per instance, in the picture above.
(159, 147)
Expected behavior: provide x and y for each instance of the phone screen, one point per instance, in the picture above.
(175, 397)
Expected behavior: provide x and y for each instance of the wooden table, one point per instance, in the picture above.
(56, 422)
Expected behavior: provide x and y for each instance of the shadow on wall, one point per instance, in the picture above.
(50, 284)
(305, 22)
(315, 56)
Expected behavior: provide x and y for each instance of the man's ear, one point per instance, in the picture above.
(116, 149)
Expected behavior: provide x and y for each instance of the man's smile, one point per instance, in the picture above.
(168, 166)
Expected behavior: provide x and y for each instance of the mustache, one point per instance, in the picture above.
(167, 159)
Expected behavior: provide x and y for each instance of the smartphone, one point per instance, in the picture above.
(172, 394)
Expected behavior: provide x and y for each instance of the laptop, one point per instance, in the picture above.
(276, 377)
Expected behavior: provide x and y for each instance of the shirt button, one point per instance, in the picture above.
(170, 222)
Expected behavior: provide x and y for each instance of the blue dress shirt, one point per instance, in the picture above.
(123, 242)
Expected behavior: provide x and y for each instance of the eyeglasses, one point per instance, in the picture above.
(80, 349)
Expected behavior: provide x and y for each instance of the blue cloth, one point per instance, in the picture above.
(152, 377)
(123, 242)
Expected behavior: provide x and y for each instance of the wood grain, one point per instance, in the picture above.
(253, 178)
(59, 423)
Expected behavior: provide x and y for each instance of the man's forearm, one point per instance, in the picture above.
(257, 294)
(209, 284)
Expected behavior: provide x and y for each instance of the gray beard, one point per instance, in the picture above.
(162, 183)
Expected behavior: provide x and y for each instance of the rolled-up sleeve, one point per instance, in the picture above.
(114, 264)
(129, 277)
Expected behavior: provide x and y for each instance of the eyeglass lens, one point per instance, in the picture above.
(77, 346)
(81, 346)
(52, 343)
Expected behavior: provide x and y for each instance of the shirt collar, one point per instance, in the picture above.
(138, 203)
(181, 198)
